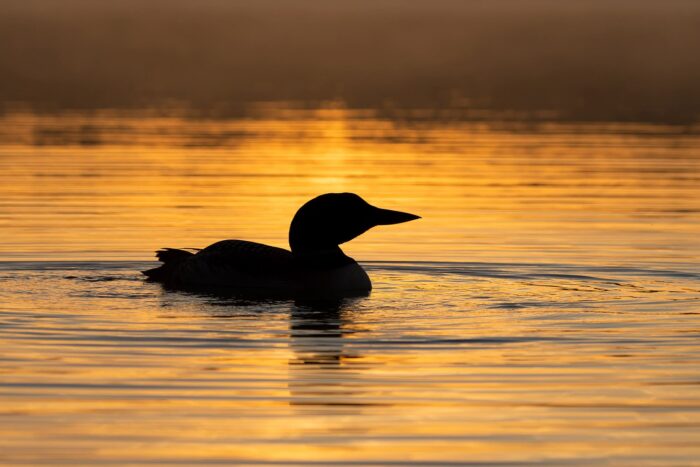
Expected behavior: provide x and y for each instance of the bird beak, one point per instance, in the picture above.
(388, 217)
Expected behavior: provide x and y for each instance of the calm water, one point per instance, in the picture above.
(546, 309)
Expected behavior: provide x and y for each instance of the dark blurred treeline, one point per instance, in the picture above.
(578, 59)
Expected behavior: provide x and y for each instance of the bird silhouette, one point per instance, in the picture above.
(315, 265)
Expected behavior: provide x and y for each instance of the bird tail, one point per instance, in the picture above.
(171, 259)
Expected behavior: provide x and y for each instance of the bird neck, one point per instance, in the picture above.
(321, 258)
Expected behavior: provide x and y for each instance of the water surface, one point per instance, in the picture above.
(546, 309)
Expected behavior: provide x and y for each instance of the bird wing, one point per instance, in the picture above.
(236, 263)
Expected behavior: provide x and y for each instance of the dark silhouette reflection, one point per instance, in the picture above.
(316, 329)
(321, 372)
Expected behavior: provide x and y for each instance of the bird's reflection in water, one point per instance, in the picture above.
(321, 371)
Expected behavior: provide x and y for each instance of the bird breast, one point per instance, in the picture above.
(350, 277)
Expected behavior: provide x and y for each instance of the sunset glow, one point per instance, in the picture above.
(494, 211)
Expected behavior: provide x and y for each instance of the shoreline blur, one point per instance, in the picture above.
(528, 60)
(183, 127)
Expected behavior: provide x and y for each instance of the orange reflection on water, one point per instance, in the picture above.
(543, 309)
(116, 186)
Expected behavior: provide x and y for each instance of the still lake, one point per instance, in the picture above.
(545, 309)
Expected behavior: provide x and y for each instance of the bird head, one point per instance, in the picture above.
(335, 218)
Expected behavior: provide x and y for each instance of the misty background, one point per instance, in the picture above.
(582, 60)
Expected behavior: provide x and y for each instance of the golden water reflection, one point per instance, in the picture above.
(543, 310)
(435, 366)
(588, 192)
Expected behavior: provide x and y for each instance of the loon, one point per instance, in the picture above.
(315, 265)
